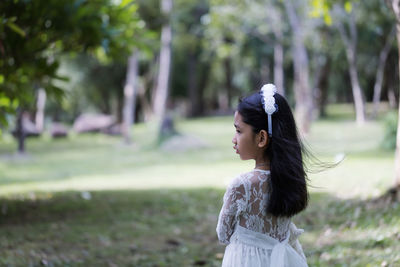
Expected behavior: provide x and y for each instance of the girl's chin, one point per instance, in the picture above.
(244, 157)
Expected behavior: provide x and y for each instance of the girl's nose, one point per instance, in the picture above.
(234, 140)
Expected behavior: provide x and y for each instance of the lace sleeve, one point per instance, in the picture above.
(234, 203)
(294, 241)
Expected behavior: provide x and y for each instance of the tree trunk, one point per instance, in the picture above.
(144, 102)
(20, 131)
(302, 90)
(203, 81)
(397, 154)
(194, 96)
(380, 70)
(120, 99)
(160, 101)
(278, 61)
(391, 97)
(357, 92)
(129, 96)
(264, 74)
(228, 82)
(152, 78)
(350, 42)
(322, 86)
(396, 9)
(40, 106)
(198, 78)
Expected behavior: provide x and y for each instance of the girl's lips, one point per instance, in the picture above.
(237, 151)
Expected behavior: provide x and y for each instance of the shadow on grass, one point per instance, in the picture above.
(177, 228)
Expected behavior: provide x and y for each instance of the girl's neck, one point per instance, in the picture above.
(262, 165)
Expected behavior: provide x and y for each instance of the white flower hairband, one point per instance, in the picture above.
(268, 101)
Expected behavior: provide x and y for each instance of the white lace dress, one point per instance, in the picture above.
(254, 237)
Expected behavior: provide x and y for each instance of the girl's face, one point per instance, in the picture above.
(244, 139)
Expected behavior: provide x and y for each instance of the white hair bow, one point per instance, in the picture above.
(268, 101)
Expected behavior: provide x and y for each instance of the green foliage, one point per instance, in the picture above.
(243, 34)
(390, 125)
(190, 54)
(92, 87)
(33, 35)
(29, 54)
(323, 8)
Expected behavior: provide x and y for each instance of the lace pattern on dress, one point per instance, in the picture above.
(245, 203)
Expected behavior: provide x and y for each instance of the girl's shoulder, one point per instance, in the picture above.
(238, 180)
(249, 178)
(255, 175)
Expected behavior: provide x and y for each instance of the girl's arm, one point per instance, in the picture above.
(294, 241)
(234, 201)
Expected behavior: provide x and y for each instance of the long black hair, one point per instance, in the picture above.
(288, 193)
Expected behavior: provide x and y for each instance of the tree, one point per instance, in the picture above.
(248, 38)
(270, 29)
(41, 102)
(279, 75)
(161, 94)
(380, 70)
(301, 87)
(130, 95)
(349, 38)
(348, 17)
(395, 5)
(34, 34)
(133, 36)
(224, 38)
(191, 59)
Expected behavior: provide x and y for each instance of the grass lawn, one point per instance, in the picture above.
(90, 201)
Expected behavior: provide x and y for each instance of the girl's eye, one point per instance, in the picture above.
(237, 131)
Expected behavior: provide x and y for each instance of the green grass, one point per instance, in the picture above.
(126, 228)
(91, 201)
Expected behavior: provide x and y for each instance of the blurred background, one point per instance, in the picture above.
(116, 121)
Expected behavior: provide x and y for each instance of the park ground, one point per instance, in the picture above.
(89, 200)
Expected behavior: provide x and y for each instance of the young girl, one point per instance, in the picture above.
(255, 220)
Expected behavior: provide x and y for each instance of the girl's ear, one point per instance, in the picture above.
(263, 139)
